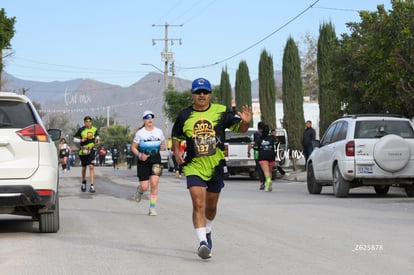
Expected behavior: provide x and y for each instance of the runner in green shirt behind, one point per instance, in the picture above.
(87, 136)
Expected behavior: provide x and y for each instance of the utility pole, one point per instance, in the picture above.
(166, 56)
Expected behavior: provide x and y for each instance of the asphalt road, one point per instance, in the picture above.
(287, 231)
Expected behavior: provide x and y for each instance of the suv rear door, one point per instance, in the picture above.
(19, 154)
(373, 150)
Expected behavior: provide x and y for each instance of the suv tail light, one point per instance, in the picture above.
(226, 150)
(34, 132)
(350, 149)
(46, 192)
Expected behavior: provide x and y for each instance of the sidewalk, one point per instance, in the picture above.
(298, 175)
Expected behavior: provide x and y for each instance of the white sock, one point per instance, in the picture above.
(201, 234)
(209, 224)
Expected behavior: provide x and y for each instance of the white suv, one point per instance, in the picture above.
(364, 150)
(28, 163)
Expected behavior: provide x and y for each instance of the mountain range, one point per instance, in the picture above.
(80, 97)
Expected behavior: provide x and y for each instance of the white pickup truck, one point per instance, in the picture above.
(236, 147)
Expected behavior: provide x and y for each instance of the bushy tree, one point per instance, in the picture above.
(309, 67)
(6, 34)
(115, 135)
(374, 71)
(175, 102)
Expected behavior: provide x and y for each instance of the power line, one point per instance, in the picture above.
(336, 9)
(255, 44)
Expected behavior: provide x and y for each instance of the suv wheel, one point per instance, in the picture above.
(313, 186)
(382, 190)
(340, 185)
(49, 222)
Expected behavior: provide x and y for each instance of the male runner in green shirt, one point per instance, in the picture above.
(202, 126)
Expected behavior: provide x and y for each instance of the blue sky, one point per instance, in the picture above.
(108, 40)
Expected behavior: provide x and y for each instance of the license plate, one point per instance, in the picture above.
(247, 163)
(365, 170)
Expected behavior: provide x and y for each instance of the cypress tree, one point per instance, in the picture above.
(224, 96)
(329, 104)
(292, 94)
(267, 90)
(243, 87)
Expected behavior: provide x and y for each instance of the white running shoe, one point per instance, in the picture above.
(152, 212)
(92, 189)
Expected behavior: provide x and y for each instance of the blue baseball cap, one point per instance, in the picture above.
(201, 84)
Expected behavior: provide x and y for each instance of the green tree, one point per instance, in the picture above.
(329, 103)
(101, 121)
(309, 67)
(6, 34)
(224, 95)
(175, 102)
(214, 95)
(374, 71)
(117, 135)
(267, 90)
(292, 97)
(243, 87)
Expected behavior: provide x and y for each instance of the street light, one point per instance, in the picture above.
(158, 69)
(164, 72)
(165, 88)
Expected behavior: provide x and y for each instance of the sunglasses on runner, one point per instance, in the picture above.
(149, 116)
(199, 92)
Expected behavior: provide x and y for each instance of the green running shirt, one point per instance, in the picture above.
(204, 133)
(90, 134)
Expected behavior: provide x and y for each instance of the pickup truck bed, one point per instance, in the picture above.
(237, 161)
(236, 147)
